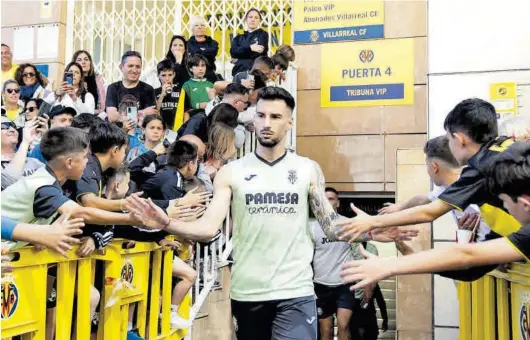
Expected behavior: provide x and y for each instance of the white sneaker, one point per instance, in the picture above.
(177, 321)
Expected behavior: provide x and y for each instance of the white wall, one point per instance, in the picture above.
(471, 43)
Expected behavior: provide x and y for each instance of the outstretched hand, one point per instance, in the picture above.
(146, 213)
(351, 229)
(394, 234)
(366, 272)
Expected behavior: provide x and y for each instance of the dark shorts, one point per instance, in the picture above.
(293, 319)
(329, 299)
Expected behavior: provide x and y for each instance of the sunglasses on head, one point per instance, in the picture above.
(28, 75)
(31, 109)
(10, 91)
(7, 125)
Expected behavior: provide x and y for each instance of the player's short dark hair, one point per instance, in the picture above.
(86, 121)
(264, 60)
(130, 54)
(165, 65)
(195, 60)
(508, 172)
(104, 137)
(149, 118)
(181, 153)
(281, 61)
(223, 113)
(438, 147)
(234, 88)
(62, 141)
(476, 118)
(276, 93)
(333, 190)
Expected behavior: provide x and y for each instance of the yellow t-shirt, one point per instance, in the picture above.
(6, 75)
(12, 114)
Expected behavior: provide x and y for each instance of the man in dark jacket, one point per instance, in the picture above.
(205, 45)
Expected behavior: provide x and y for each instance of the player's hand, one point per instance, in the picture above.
(87, 246)
(393, 234)
(146, 213)
(166, 244)
(366, 272)
(353, 228)
(194, 199)
(389, 208)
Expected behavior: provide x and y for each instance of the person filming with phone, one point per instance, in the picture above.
(72, 91)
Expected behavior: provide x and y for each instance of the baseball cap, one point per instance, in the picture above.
(60, 109)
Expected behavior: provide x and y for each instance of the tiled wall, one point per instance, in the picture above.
(356, 147)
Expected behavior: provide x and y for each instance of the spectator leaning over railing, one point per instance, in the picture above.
(73, 92)
(130, 85)
(235, 95)
(94, 82)
(202, 173)
(200, 43)
(12, 103)
(507, 176)
(32, 82)
(16, 164)
(263, 63)
(253, 43)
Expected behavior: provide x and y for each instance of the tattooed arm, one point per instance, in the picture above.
(322, 209)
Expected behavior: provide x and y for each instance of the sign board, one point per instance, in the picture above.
(367, 73)
(503, 97)
(325, 21)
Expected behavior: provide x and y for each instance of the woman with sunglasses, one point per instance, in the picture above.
(16, 165)
(31, 113)
(12, 103)
(94, 82)
(73, 94)
(32, 82)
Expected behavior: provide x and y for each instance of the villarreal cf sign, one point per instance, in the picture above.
(318, 21)
(367, 73)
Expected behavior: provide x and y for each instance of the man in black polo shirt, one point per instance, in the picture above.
(472, 132)
(108, 144)
(508, 176)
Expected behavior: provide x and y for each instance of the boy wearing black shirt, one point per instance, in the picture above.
(131, 67)
(171, 101)
(108, 144)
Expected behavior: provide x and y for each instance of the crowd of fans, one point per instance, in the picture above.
(77, 147)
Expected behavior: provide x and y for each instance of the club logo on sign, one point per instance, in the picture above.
(9, 297)
(314, 36)
(127, 271)
(366, 56)
(503, 91)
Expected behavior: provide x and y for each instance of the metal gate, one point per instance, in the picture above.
(108, 28)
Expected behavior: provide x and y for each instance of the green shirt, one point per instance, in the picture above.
(197, 91)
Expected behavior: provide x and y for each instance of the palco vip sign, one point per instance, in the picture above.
(367, 73)
(326, 21)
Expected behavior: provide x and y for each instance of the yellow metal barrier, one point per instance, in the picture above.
(485, 311)
(126, 282)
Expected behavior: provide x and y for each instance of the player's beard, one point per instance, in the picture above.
(268, 143)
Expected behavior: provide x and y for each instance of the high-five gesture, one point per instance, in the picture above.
(146, 212)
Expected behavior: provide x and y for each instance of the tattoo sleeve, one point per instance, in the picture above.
(322, 209)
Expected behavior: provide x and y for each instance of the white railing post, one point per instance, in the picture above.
(69, 44)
